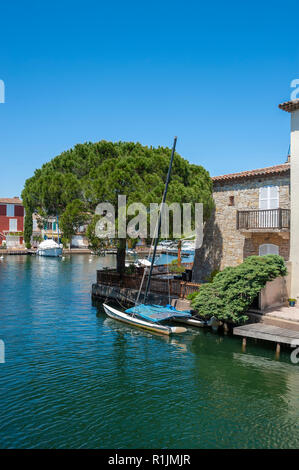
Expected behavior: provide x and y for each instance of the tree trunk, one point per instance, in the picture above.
(121, 255)
(179, 253)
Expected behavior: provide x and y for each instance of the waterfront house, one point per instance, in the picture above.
(256, 213)
(251, 217)
(11, 222)
(50, 229)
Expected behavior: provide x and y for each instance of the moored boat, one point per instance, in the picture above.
(49, 248)
(134, 319)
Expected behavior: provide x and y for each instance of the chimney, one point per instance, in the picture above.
(292, 107)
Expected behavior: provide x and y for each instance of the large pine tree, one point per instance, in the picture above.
(99, 172)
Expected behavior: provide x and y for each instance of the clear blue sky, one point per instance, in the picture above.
(212, 73)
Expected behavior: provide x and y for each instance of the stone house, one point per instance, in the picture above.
(251, 217)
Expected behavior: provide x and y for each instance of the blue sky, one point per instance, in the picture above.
(212, 73)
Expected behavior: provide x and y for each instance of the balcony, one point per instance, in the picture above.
(264, 220)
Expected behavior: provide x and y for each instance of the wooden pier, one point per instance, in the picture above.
(265, 332)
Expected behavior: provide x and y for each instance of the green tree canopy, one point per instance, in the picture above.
(72, 218)
(100, 172)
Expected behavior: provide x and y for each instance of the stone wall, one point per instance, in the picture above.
(225, 245)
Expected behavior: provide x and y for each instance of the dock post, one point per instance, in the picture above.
(244, 345)
(277, 353)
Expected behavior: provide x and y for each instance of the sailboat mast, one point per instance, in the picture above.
(57, 228)
(159, 221)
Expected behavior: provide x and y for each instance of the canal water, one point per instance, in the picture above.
(73, 378)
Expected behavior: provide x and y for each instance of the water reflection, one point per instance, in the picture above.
(75, 378)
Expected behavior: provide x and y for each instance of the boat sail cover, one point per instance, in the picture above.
(48, 244)
(156, 313)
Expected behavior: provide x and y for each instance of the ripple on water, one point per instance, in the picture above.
(76, 379)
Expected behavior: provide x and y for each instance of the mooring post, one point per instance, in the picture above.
(277, 351)
(244, 345)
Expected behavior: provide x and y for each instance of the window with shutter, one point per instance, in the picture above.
(10, 210)
(268, 249)
(268, 199)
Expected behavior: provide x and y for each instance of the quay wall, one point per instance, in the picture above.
(127, 295)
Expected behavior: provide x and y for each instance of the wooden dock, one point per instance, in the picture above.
(265, 332)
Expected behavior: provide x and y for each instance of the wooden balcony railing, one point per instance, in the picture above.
(263, 219)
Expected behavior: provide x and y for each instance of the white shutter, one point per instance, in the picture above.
(268, 249)
(13, 225)
(273, 197)
(263, 198)
(269, 197)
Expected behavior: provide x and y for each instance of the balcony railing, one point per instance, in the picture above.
(263, 219)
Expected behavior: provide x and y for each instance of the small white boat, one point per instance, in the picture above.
(213, 322)
(192, 322)
(135, 321)
(131, 252)
(49, 248)
(142, 262)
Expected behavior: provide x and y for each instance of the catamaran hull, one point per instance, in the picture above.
(192, 322)
(53, 252)
(125, 318)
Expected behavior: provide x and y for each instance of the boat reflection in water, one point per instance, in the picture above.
(123, 328)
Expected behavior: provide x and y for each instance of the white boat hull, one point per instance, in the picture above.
(135, 321)
(54, 252)
(192, 322)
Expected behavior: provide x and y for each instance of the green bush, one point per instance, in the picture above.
(175, 268)
(212, 275)
(65, 241)
(233, 290)
(192, 295)
(131, 269)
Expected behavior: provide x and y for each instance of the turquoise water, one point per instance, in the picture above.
(76, 379)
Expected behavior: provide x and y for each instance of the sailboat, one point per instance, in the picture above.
(147, 316)
(49, 247)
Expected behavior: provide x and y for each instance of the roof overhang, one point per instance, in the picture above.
(289, 106)
(269, 171)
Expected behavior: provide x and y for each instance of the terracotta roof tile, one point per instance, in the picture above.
(289, 106)
(10, 200)
(270, 170)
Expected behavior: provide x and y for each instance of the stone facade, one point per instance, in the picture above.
(223, 243)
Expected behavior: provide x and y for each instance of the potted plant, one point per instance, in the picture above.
(292, 302)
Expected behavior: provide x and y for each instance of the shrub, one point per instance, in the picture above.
(212, 275)
(131, 269)
(192, 295)
(233, 290)
(175, 268)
